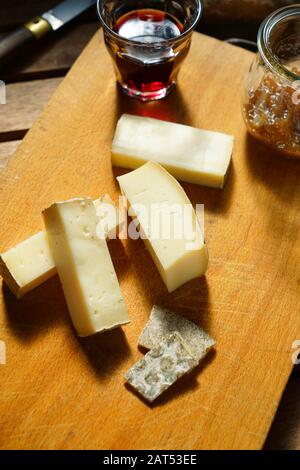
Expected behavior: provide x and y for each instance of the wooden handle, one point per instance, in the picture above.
(14, 44)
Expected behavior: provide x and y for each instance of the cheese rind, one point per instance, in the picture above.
(161, 367)
(30, 263)
(162, 210)
(189, 154)
(85, 267)
(162, 323)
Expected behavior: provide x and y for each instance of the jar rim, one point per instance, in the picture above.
(153, 44)
(263, 40)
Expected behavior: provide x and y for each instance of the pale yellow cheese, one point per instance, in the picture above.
(84, 267)
(189, 154)
(159, 203)
(30, 263)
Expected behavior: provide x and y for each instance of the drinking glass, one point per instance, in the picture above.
(148, 40)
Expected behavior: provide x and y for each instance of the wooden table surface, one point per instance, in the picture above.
(29, 87)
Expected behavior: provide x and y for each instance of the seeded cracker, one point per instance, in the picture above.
(162, 323)
(161, 367)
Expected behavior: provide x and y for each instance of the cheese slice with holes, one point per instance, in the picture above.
(189, 154)
(31, 263)
(167, 223)
(84, 266)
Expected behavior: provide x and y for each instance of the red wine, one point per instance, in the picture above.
(144, 68)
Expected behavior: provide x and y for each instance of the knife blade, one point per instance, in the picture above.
(65, 12)
(19, 39)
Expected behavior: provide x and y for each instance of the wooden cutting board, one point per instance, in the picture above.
(62, 392)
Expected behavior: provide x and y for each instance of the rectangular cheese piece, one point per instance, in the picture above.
(85, 267)
(167, 223)
(28, 264)
(163, 323)
(161, 367)
(31, 263)
(189, 154)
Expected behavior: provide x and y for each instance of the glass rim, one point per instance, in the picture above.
(263, 40)
(156, 43)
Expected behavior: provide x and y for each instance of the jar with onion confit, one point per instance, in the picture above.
(271, 101)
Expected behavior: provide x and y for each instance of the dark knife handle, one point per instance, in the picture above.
(14, 43)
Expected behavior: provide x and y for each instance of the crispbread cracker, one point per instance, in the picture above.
(163, 322)
(161, 367)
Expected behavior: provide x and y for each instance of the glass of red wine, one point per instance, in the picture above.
(148, 41)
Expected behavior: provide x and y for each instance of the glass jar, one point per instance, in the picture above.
(271, 102)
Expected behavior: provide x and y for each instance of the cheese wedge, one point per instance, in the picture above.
(189, 154)
(84, 267)
(31, 263)
(167, 222)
